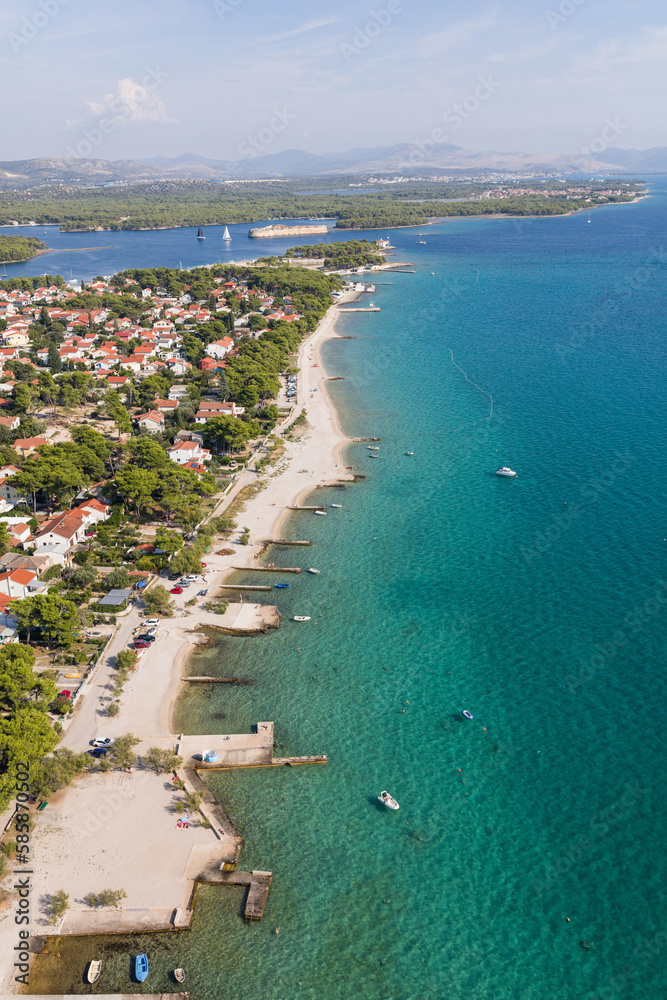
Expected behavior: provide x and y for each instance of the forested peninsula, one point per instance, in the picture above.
(20, 248)
(173, 203)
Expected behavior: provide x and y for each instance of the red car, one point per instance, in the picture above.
(64, 694)
(141, 644)
(176, 590)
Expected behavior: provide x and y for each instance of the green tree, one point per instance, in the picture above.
(136, 485)
(188, 560)
(117, 579)
(121, 750)
(161, 761)
(57, 771)
(18, 680)
(52, 614)
(21, 397)
(58, 905)
(157, 601)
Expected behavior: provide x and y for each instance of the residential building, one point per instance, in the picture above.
(152, 421)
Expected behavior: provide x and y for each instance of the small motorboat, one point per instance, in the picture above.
(504, 470)
(373, 447)
(141, 968)
(388, 800)
(301, 618)
(179, 975)
(337, 505)
(409, 453)
(466, 714)
(322, 513)
(93, 973)
(311, 570)
(282, 586)
(373, 455)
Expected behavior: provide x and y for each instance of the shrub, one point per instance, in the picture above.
(108, 897)
(58, 904)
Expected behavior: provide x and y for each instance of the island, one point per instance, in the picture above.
(16, 249)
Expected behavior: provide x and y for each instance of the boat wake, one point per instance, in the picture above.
(483, 419)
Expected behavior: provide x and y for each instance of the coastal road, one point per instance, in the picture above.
(88, 721)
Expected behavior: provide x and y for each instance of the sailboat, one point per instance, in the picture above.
(200, 234)
(226, 235)
(420, 240)
(4, 271)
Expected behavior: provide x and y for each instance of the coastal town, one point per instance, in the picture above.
(142, 413)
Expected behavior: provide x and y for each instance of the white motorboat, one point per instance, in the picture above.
(301, 618)
(179, 975)
(373, 447)
(409, 453)
(337, 505)
(322, 513)
(94, 970)
(504, 470)
(311, 570)
(372, 454)
(466, 714)
(388, 800)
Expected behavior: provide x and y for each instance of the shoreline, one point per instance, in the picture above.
(322, 445)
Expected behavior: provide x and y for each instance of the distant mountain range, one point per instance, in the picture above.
(401, 159)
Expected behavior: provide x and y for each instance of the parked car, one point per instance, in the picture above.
(151, 623)
(176, 590)
(98, 752)
(106, 741)
(145, 637)
(202, 593)
(141, 644)
(64, 694)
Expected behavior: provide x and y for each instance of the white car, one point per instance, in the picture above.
(106, 742)
(150, 623)
(191, 578)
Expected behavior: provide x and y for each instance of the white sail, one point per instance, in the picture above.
(226, 235)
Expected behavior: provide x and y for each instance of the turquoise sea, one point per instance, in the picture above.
(537, 603)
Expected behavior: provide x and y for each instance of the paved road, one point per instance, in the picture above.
(89, 712)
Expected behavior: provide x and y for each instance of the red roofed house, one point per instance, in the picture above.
(25, 446)
(20, 583)
(165, 405)
(219, 348)
(184, 452)
(152, 421)
(9, 493)
(11, 423)
(207, 410)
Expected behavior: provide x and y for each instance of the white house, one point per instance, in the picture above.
(152, 421)
(207, 410)
(184, 452)
(219, 348)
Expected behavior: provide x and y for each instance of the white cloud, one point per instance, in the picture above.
(308, 26)
(132, 103)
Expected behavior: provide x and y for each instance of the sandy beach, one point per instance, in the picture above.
(110, 811)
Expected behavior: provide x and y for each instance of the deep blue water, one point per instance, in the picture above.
(536, 603)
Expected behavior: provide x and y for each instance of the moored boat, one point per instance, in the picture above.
(322, 513)
(373, 447)
(466, 714)
(388, 800)
(337, 505)
(141, 968)
(179, 975)
(311, 570)
(93, 973)
(409, 453)
(504, 470)
(282, 586)
(301, 618)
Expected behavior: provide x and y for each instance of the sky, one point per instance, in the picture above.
(140, 78)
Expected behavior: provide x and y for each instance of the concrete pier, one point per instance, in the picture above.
(258, 884)
(267, 569)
